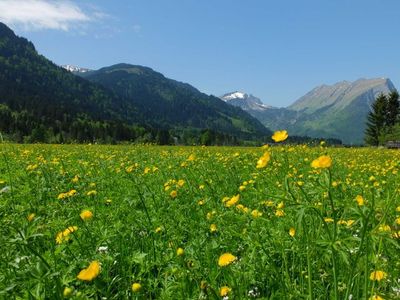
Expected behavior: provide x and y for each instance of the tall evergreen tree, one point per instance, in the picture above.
(376, 120)
(393, 108)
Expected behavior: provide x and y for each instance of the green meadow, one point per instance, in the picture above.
(151, 222)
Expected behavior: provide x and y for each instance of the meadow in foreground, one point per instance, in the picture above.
(145, 222)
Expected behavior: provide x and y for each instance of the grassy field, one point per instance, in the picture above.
(146, 222)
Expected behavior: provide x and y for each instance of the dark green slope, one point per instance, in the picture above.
(171, 104)
(39, 98)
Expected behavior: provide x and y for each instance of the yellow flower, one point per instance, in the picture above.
(242, 187)
(226, 259)
(263, 160)
(376, 297)
(377, 275)
(67, 292)
(242, 208)
(322, 162)
(255, 213)
(232, 201)
(384, 228)
(224, 291)
(280, 205)
(360, 200)
(280, 136)
(213, 228)
(292, 232)
(136, 287)
(30, 217)
(180, 251)
(181, 182)
(279, 213)
(92, 192)
(191, 157)
(397, 221)
(86, 215)
(328, 220)
(173, 194)
(158, 230)
(90, 272)
(63, 236)
(75, 179)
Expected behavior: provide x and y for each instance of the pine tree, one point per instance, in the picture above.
(376, 120)
(393, 109)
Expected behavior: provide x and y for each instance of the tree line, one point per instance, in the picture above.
(383, 121)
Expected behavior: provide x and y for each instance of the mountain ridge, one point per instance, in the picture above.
(327, 111)
(167, 101)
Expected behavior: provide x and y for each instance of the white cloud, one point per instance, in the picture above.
(44, 14)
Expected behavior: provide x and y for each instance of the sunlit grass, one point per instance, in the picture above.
(159, 220)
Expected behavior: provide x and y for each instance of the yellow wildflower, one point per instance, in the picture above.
(63, 236)
(378, 275)
(86, 215)
(92, 192)
(279, 213)
(224, 291)
(292, 232)
(232, 201)
(173, 194)
(322, 162)
(376, 297)
(384, 228)
(91, 272)
(213, 228)
(263, 160)
(328, 220)
(280, 136)
(67, 292)
(226, 259)
(242, 208)
(360, 200)
(136, 287)
(180, 251)
(181, 182)
(255, 213)
(30, 217)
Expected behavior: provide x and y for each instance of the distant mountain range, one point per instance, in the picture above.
(328, 111)
(40, 101)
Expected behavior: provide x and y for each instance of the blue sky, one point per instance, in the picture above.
(276, 50)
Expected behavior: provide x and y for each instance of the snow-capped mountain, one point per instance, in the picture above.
(75, 69)
(244, 101)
